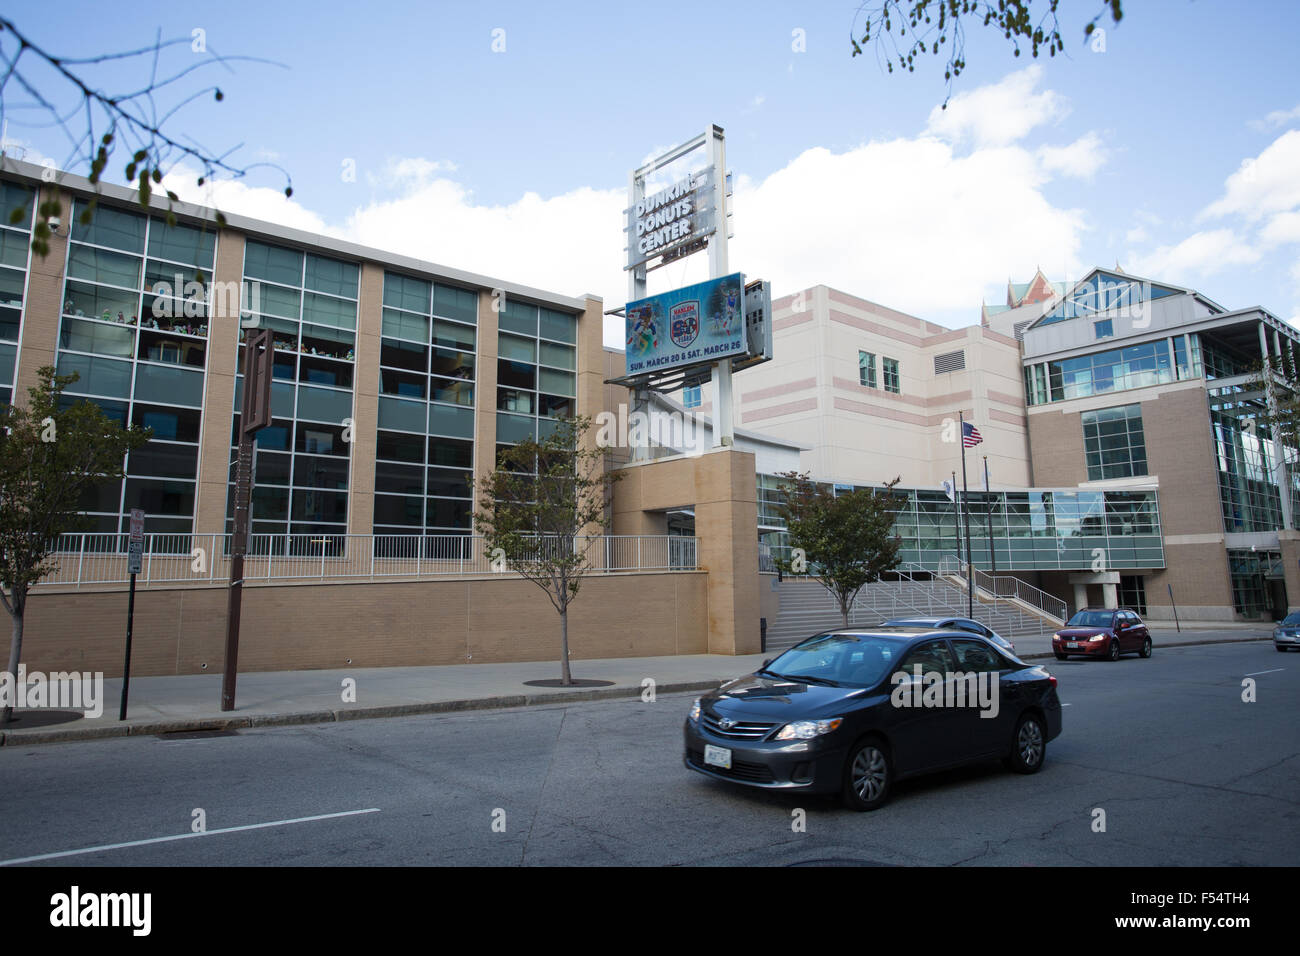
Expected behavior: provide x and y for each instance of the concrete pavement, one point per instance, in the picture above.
(192, 702)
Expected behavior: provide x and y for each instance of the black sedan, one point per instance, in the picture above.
(850, 712)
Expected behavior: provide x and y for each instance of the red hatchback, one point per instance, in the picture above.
(1099, 632)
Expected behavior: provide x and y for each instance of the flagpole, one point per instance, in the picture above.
(965, 493)
(988, 513)
(956, 516)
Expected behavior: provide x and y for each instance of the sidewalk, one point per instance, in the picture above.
(193, 702)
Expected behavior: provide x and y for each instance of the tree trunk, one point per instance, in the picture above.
(566, 677)
(15, 654)
(844, 612)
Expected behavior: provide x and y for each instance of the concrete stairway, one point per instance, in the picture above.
(807, 607)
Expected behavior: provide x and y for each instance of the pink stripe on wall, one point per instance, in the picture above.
(865, 326)
(851, 386)
(1003, 398)
(1000, 416)
(775, 390)
(799, 318)
(776, 411)
(875, 411)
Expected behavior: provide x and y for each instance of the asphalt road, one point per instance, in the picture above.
(1186, 772)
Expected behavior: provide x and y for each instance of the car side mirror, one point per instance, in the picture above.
(767, 662)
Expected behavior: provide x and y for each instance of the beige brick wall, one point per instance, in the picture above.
(219, 391)
(301, 627)
(365, 401)
(44, 303)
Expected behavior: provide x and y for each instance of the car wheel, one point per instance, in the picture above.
(1059, 655)
(1029, 746)
(1113, 654)
(867, 775)
(1146, 648)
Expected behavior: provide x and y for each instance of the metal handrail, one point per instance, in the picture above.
(178, 559)
(1005, 586)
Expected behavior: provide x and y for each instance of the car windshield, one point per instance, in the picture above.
(1291, 620)
(1090, 619)
(846, 660)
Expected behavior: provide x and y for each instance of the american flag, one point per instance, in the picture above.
(970, 435)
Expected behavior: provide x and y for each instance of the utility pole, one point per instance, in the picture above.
(255, 414)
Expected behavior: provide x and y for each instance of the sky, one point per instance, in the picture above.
(498, 138)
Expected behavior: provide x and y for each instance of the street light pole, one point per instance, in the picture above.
(255, 414)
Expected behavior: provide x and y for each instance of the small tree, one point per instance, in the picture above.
(845, 540)
(539, 511)
(49, 457)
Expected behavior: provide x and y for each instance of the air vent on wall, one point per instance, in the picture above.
(949, 362)
(1019, 330)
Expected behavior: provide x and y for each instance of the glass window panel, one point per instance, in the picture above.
(518, 317)
(406, 510)
(452, 364)
(453, 303)
(451, 390)
(270, 503)
(561, 383)
(273, 300)
(100, 302)
(513, 400)
(554, 406)
(16, 196)
(109, 227)
(514, 428)
(404, 325)
(162, 460)
(452, 454)
(521, 350)
(8, 355)
(272, 263)
(102, 496)
(275, 437)
(558, 355)
(516, 374)
(559, 326)
(173, 385)
(332, 276)
(324, 340)
(451, 335)
(403, 355)
(399, 479)
(13, 247)
(98, 376)
(181, 243)
(160, 497)
(323, 310)
(452, 422)
(450, 483)
(271, 468)
(320, 371)
(448, 513)
(406, 292)
(319, 506)
(320, 439)
(403, 384)
(81, 336)
(402, 415)
(323, 405)
(399, 447)
(316, 472)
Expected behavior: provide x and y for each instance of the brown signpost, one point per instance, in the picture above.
(255, 414)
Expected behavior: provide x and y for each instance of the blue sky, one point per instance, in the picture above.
(514, 162)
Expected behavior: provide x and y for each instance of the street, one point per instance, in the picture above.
(1184, 770)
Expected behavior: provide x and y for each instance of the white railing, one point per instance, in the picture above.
(1006, 586)
(101, 559)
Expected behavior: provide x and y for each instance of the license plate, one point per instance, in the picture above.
(1071, 643)
(717, 756)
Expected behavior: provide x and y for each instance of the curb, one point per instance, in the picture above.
(1049, 656)
(504, 702)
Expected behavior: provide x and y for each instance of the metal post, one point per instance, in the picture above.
(970, 564)
(255, 414)
(126, 666)
(988, 513)
(81, 560)
(724, 426)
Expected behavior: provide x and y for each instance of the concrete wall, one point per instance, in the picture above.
(303, 627)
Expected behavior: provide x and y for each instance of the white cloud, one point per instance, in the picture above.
(1282, 228)
(1136, 235)
(1081, 159)
(905, 222)
(1200, 254)
(256, 202)
(406, 171)
(1267, 184)
(1000, 113)
(1276, 118)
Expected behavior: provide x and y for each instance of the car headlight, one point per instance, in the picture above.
(695, 711)
(1097, 637)
(807, 729)
(1057, 637)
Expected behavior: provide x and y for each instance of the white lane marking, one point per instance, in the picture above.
(1065, 705)
(1275, 670)
(184, 836)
